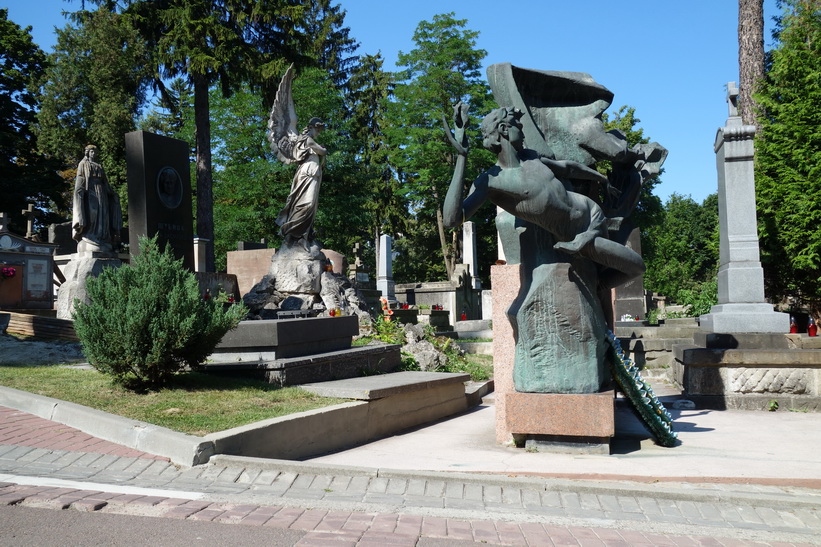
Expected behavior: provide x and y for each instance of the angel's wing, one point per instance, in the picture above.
(282, 120)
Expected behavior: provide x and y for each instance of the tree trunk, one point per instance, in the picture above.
(750, 56)
(205, 195)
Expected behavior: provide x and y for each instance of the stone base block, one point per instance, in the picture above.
(749, 378)
(745, 318)
(568, 445)
(262, 340)
(718, 340)
(563, 417)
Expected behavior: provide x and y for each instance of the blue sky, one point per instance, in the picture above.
(669, 60)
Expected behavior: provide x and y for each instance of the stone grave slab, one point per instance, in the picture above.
(369, 388)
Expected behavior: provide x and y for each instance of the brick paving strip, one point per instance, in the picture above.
(376, 507)
(355, 528)
(23, 429)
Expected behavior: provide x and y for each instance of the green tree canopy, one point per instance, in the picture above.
(443, 68)
(682, 250)
(93, 92)
(25, 174)
(788, 157)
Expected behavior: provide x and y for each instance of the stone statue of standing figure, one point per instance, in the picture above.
(297, 217)
(96, 224)
(97, 216)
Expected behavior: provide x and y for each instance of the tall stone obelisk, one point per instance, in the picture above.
(741, 307)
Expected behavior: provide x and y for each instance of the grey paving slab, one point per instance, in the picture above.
(303, 481)
(303, 494)
(383, 498)
(383, 385)
(396, 487)
(416, 487)
(459, 503)
(358, 484)
(378, 485)
(435, 488)
(423, 501)
(570, 500)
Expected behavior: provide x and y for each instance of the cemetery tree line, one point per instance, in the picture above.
(389, 158)
(388, 161)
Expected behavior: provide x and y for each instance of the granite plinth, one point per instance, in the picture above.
(262, 340)
(571, 415)
(716, 340)
(745, 318)
(506, 282)
(320, 367)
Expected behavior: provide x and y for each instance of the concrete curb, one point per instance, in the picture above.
(665, 490)
(317, 431)
(178, 447)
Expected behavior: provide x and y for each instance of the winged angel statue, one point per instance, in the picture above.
(296, 219)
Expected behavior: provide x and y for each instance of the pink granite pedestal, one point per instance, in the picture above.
(561, 422)
(576, 423)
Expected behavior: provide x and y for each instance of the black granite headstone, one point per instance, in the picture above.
(159, 193)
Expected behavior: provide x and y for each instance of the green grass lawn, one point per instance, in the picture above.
(195, 403)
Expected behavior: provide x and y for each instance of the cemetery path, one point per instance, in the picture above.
(49, 465)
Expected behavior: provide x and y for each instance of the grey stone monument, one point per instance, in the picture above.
(741, 307)
(630, 299)
(96, 224)
(469, 256)
(159, 193)
(384, 268)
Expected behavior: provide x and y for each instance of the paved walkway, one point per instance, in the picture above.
(43, 464)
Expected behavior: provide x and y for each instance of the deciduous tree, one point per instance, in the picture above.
(443, 68)
(25, 173)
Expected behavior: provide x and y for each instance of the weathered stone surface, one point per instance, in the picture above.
(559, 323)
(77, 273)
(297, 270)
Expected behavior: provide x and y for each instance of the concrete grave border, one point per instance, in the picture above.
(306, 433)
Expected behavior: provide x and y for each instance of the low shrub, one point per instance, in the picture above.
(147, 321)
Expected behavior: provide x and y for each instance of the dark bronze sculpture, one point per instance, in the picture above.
(568, 236)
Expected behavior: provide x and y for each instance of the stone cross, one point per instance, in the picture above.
(30, 212)
(357, 255)
(4, 222)
(732, 99)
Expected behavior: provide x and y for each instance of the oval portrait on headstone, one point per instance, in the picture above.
(169, 187)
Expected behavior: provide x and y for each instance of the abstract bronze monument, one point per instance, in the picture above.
(562, 219)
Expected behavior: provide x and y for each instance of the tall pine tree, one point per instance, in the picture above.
(788, 157)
